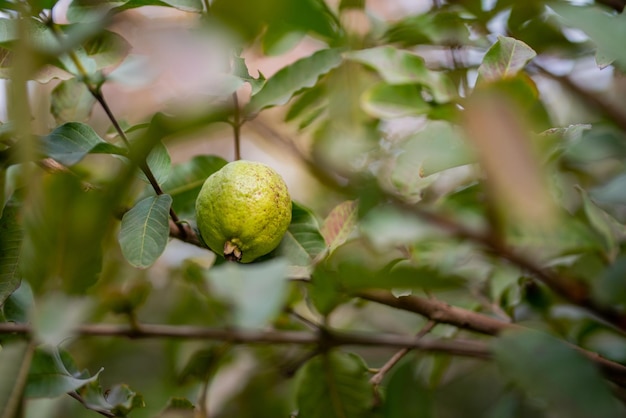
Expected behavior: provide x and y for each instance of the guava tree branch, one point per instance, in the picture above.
(444, 313)
(377, 379)
(440, 312)
(574, 291)
(325, 338)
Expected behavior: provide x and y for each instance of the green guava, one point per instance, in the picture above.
(243, 210)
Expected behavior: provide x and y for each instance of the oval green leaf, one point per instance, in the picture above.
(145, 230)
(53, 373)
(302, 241)
(72, 141)
(293, 78)
(504, 59)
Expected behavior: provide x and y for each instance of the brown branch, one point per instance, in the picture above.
(572, 290)
(189, 236)
(327, 338)
(440, 312)
(443, 313)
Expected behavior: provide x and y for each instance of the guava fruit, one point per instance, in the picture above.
(243, 210)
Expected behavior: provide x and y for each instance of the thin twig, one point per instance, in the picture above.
(377, 379)
(327, 338)
(237, 127)
(574, 291)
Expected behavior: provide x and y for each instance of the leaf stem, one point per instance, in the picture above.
(377, 379)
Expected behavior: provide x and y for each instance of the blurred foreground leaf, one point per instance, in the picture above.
(548, 369)
(255, 291)
(53, 373)
(15, 360)
(57, 251)
(11, 236)
(399, 67)
(334, 385)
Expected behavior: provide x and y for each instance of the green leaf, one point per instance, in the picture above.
(19, 306)
(504, 59)
(71, 101)
(552, 372)
(184, 5)
(160, 163)
(178, 408)
(186, 180)
(293, 78)
(407, 394)
(612, 192)
(145, 230)
(610, 287)
(15, 359)
(334, 385)
(11, 237)
(394, 101)
(302, 241)
(398, 67)
(119, 400)
(240, 69)
(72, 141)
(57, 316)
(601, 222)
(432, 28)
(58, 252)
(437, 147)
(53, 373)
(282, 16)
(256, 291)
(340, 223)
(606, 30)
(106, 49)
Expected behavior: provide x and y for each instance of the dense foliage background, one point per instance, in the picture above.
(457, 245)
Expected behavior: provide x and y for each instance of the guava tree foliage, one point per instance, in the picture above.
(460, 252)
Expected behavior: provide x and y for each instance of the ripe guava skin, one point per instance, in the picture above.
(243, 210)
